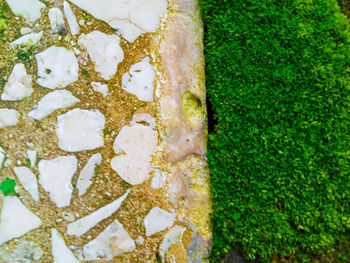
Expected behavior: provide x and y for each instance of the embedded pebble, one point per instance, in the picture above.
(60, 252)
(72, 21)
(32, 157)
(83, 225)
(58, 99)
(25, 30)
(16, 219)
(134, 147)
(2, 157)
(157, 220)
(57, 67)
(84, 180)
(101, 88)
(56, 19)
(19, 84)
(68, 216)
(55, 177)
(140, 80)
(129, 18)
(157, 180)
(79, 130)
(8, 117)
(29, 39)
(28, 180)
(104, 51)
(112, 242)
(29, 9)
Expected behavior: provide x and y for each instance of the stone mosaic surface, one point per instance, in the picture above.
(102, 126)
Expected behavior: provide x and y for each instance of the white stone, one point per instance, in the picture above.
(129, 31)
(72, 21)
(29, 39)
(104, 51)
(134, 146)
(19, 84)
(25, 30)
(157, 220)
(112, 242)
(56, 19)
(84, 180)
(58, 99)
(80, 130)
(16, 219)
(140, 80)
(29, 9)
(57, 67)
(172, 237)
(84, 224)
(68, 216)
(101, 88)
(55, 176)
(60, 252)
(8, 117)
(2, 157)
(28, 180)
(130, 18)
(157, 180)
(32, 157)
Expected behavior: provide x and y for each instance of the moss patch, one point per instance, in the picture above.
(278, 79)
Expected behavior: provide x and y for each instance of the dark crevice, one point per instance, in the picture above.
(345, 7)
(212, 122)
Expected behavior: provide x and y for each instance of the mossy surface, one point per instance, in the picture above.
(278, 79)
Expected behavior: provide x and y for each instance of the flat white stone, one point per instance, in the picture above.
(55, 176)
(79, 130)
(157, 220)
(101, 88)
(58, 99)
(135, 146)
(157, 180)
(57, 67)
(130, 18)
(28, 180)
(32, 157)
(8, 117)
(2, 157)
(84, 180)
(56, 19)
(140, 80)
(60, 252)
(29, 39)
(84, 224)
(29, 9)
(16, 219)
(72, 20)
(129, 31)
(170, 238)
(112, 242)
(104, 51)
(19, 84)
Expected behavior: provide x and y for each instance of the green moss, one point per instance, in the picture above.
(192, 108)
(7, 186)
(3, 25)
(278, 79)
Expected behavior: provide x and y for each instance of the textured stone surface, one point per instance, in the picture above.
(114, 128)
